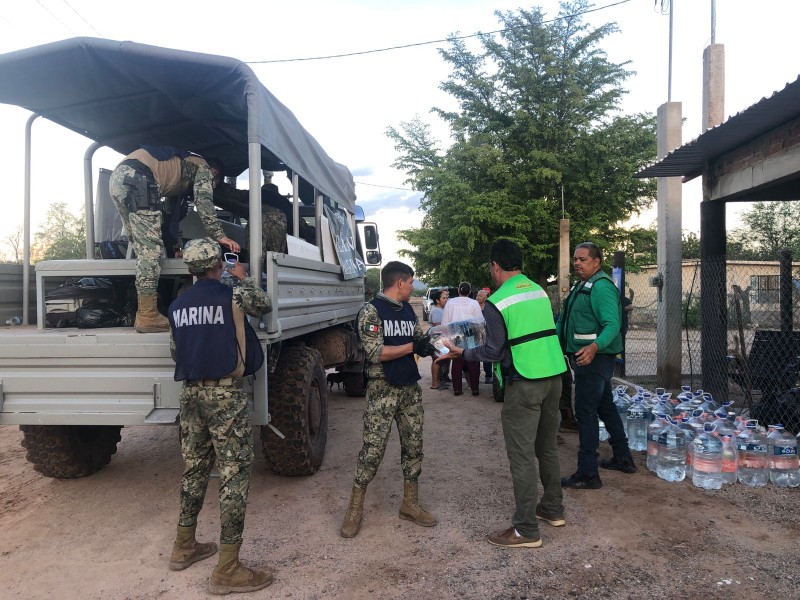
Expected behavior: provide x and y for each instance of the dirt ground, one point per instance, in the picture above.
(108, 536)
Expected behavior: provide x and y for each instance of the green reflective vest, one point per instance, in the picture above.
(535, 350)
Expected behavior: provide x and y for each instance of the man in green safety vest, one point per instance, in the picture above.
(589, 329)
(521, 339)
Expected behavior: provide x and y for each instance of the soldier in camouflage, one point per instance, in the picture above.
(212, 351)
(137, 187)
(391, 335)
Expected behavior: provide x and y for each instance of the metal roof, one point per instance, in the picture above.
(763, 116)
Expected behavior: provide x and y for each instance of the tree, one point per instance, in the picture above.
(769, 228)
(62, 236)
(15, 242)
(372, 283)
(534, 121)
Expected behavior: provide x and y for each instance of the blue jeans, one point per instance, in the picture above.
(593, 401)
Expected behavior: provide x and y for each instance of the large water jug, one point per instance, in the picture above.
(622, 402)
(671, 461)
(638, 420)
(752, 447)
(691, 433)
(784, 470)
(708, 405)
(653, 431)
(724, 424)
(707, 460)
(730, 459)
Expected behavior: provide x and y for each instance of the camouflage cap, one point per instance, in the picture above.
(201, 253)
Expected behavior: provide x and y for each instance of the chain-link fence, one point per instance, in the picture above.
(752, 352)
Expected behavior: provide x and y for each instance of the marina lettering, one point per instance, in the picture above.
(198, 315)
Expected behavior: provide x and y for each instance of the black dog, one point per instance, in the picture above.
(337, 378)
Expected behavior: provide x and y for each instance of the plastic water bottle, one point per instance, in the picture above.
(638, 420)
(686, 393)
(708, 405)
(697, 421)
(653, 431)
(671, 462)
(724, 424)
(602, 431)
(730, 459)
(622, 401)
(690, 433)
(752, 447)
(784, 469)
(14, 321)
(707, 462)
(663, 406)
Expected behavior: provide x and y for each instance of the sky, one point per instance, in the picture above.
(348, 103)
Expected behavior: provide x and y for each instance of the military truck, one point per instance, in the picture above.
(72, 389)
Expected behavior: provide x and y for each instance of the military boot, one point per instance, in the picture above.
(186, 550)
(410, 510)
(148, 319)
(352, 517)
(230, 576)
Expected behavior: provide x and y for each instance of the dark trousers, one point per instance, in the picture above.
(593, 401)
(473, 374)
(487, 369)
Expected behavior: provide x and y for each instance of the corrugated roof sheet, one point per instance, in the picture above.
(761, 117)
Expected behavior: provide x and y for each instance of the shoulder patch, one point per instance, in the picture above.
(371, 328)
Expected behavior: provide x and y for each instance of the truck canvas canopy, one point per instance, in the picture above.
(125, 94)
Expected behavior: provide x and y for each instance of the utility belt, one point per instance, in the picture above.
(224, 382)
(143, 191)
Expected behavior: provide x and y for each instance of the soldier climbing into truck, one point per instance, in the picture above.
(71, 389)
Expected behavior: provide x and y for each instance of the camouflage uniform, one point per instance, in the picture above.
(144, 227)
(215, 422)
(273, 220)
(387, 402)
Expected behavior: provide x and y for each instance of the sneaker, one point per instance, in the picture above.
(475, 392)
(457, 393)
(619, 464)
(578, 481)
(511, 539)
(551, 520)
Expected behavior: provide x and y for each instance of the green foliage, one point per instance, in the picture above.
(534, 119)
(690, 308)
(769, 227)
(62, 236)
(372, 283)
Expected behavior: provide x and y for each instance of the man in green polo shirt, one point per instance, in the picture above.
(589, 330)
(521, 340)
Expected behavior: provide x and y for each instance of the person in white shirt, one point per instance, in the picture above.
(462, 309)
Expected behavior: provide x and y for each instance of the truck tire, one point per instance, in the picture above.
(298, 403)
(355, 384)
(498, 393)
(69, 451)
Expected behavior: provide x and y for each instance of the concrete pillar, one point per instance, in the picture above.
(713, 85)
(564, 256)
(668, 321)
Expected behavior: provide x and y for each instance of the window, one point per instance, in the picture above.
(765, 288)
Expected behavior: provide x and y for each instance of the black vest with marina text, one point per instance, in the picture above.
(204, 332)
(398, 329)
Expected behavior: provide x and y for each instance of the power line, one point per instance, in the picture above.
(388, 187)
(82, 19)
(417, 44)
(52, 14)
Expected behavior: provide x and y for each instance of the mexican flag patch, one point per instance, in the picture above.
(371, 328)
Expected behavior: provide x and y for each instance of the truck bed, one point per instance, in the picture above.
(115, 376)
